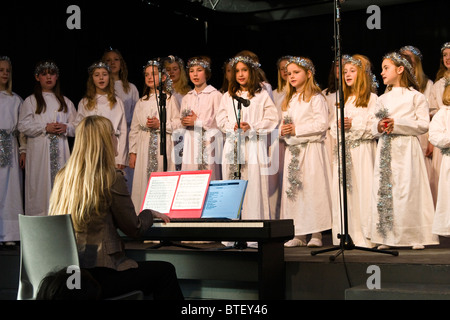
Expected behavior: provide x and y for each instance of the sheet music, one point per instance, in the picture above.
(191, 191)
(160, 193)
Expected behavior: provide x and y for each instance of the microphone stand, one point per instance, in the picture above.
(163, 150)
(237, 174)
(346, 242)
(241, 245)
(162, 117)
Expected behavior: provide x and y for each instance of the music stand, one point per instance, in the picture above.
(346, 242)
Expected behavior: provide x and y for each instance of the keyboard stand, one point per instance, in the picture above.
(167, 243)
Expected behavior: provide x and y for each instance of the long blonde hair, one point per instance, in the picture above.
(182, 85)
(123, 72)
(446, 94)
(81, 187)
(91, 92)
(311, 88)
(362, 87)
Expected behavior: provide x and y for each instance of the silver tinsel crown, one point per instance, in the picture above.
(349, 59)
(198, 62)
(305, 63)
(414, 50)
(98, 65)
(44, 66)
(151, 63)
(399, 59)
(5, 58)
(247, 60)
(168, 82)
(445, 46)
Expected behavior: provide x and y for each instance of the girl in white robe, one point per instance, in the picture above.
(306, 195)
(256, 120)
(11, 186)
(145, 156)
(126, 91)
(425, 87)
(360, 152)
(437, 92)
(403, 210)
(278, 145)
(203, 141)
(46, 118)
(439, 136)
(100, 99)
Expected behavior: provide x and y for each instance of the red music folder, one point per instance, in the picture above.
(179, 194)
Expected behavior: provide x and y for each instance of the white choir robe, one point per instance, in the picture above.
(330, 142)
(310, 207)
(439, 136)
(262, 117)
(423, 140)
(38, 164)
(116, 115)
(435, 99)
(129, 100)
(361, 145)
(204, 104)
(139, 143)
(277, 149)
(413, 207)
(11, 185)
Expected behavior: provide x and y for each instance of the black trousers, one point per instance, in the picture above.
(156, 278)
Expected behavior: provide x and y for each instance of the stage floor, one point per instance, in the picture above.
(436, 254)
(308, 277)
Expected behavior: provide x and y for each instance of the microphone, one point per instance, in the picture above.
(243, 101)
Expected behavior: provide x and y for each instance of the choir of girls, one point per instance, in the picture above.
(286, 143)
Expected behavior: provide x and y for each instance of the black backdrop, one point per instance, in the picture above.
(37, 30)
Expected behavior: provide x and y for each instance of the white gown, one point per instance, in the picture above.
(360, 157)
(330, 142)
(146, 144)
(277, 149)
(116, 115)
(310, 203)
(46, 153)
(423, 139)
(129, 100)
(203, 143)
(439, 136)
(11, 186)
(412, 206)
(262, 117)
(435, 103)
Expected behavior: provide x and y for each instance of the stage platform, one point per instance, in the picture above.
(209, 272)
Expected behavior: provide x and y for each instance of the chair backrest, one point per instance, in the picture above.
(47, 243)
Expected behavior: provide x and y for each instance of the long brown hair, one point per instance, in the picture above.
(91, 91)
(254, 79)
(41, 106)
(407, 79)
